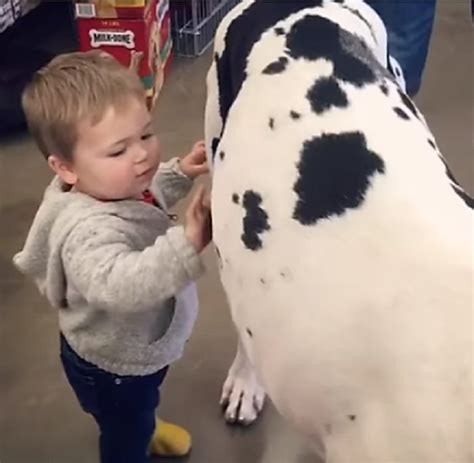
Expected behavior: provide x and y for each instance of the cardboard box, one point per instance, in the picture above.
(142, 44)
(111, 9)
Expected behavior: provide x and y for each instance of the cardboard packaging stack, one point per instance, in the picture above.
(136, 32)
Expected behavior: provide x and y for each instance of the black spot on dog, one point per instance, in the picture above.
(449, 172)
(218, 254)
(335, 171)
(302, 40)
(249, 332)
(279, 31)
(214, 145)
(432, 144)
(255, 221)
(242, 34)
(263, 281)
(271, 123)
(354, 71)
(285, 273)
(277, 66)
(314, 37)
(352, 417)
(294, 115)
(394, 69)
(409, 103)
(468, 200)
(219, 257)
(366, 22)
(222, 155)
(401, 114)
(325, 94)
(384, 89)
(235, 198)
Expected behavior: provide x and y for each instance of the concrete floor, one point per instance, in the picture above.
(40, 421)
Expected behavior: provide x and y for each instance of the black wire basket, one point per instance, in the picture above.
(194, 23)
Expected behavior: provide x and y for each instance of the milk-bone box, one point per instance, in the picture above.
(136, 32)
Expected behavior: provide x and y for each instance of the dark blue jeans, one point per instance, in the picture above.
(409, 25)
(123, 406)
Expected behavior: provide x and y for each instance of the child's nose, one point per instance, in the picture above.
(141, 153)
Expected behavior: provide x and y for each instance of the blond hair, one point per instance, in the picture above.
(74, 88)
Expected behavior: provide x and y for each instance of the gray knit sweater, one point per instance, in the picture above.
(119, 274)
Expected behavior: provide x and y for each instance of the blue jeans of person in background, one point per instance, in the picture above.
(123, 406)
(409, 25)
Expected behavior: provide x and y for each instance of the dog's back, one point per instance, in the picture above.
(345, 246)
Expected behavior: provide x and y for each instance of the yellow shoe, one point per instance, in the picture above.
(170, 440)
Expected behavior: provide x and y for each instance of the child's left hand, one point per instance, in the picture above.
(194, 164)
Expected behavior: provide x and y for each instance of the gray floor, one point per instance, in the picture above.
(40, 421)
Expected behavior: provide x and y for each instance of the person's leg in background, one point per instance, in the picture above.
(409, 25)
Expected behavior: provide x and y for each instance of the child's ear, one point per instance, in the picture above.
(63, 169)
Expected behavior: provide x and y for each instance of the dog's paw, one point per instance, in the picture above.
(242, 396)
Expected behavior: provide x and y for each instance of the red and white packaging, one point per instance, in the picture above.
(139, 37)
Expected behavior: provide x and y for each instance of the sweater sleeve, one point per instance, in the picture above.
(171, 183)
(112, 276)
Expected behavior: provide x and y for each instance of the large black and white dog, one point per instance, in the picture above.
(345, 244)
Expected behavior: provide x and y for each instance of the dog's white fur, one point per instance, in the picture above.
(367, 342)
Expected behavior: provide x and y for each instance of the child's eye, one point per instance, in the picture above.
(147, 136)
(116, 154)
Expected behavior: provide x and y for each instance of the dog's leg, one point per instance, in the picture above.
(242, 395)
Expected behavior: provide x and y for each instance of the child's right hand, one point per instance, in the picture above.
(198, 228)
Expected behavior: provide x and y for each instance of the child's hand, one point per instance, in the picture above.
(198, 229)
(194, 164)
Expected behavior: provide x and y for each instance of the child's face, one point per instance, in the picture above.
(117, 157)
